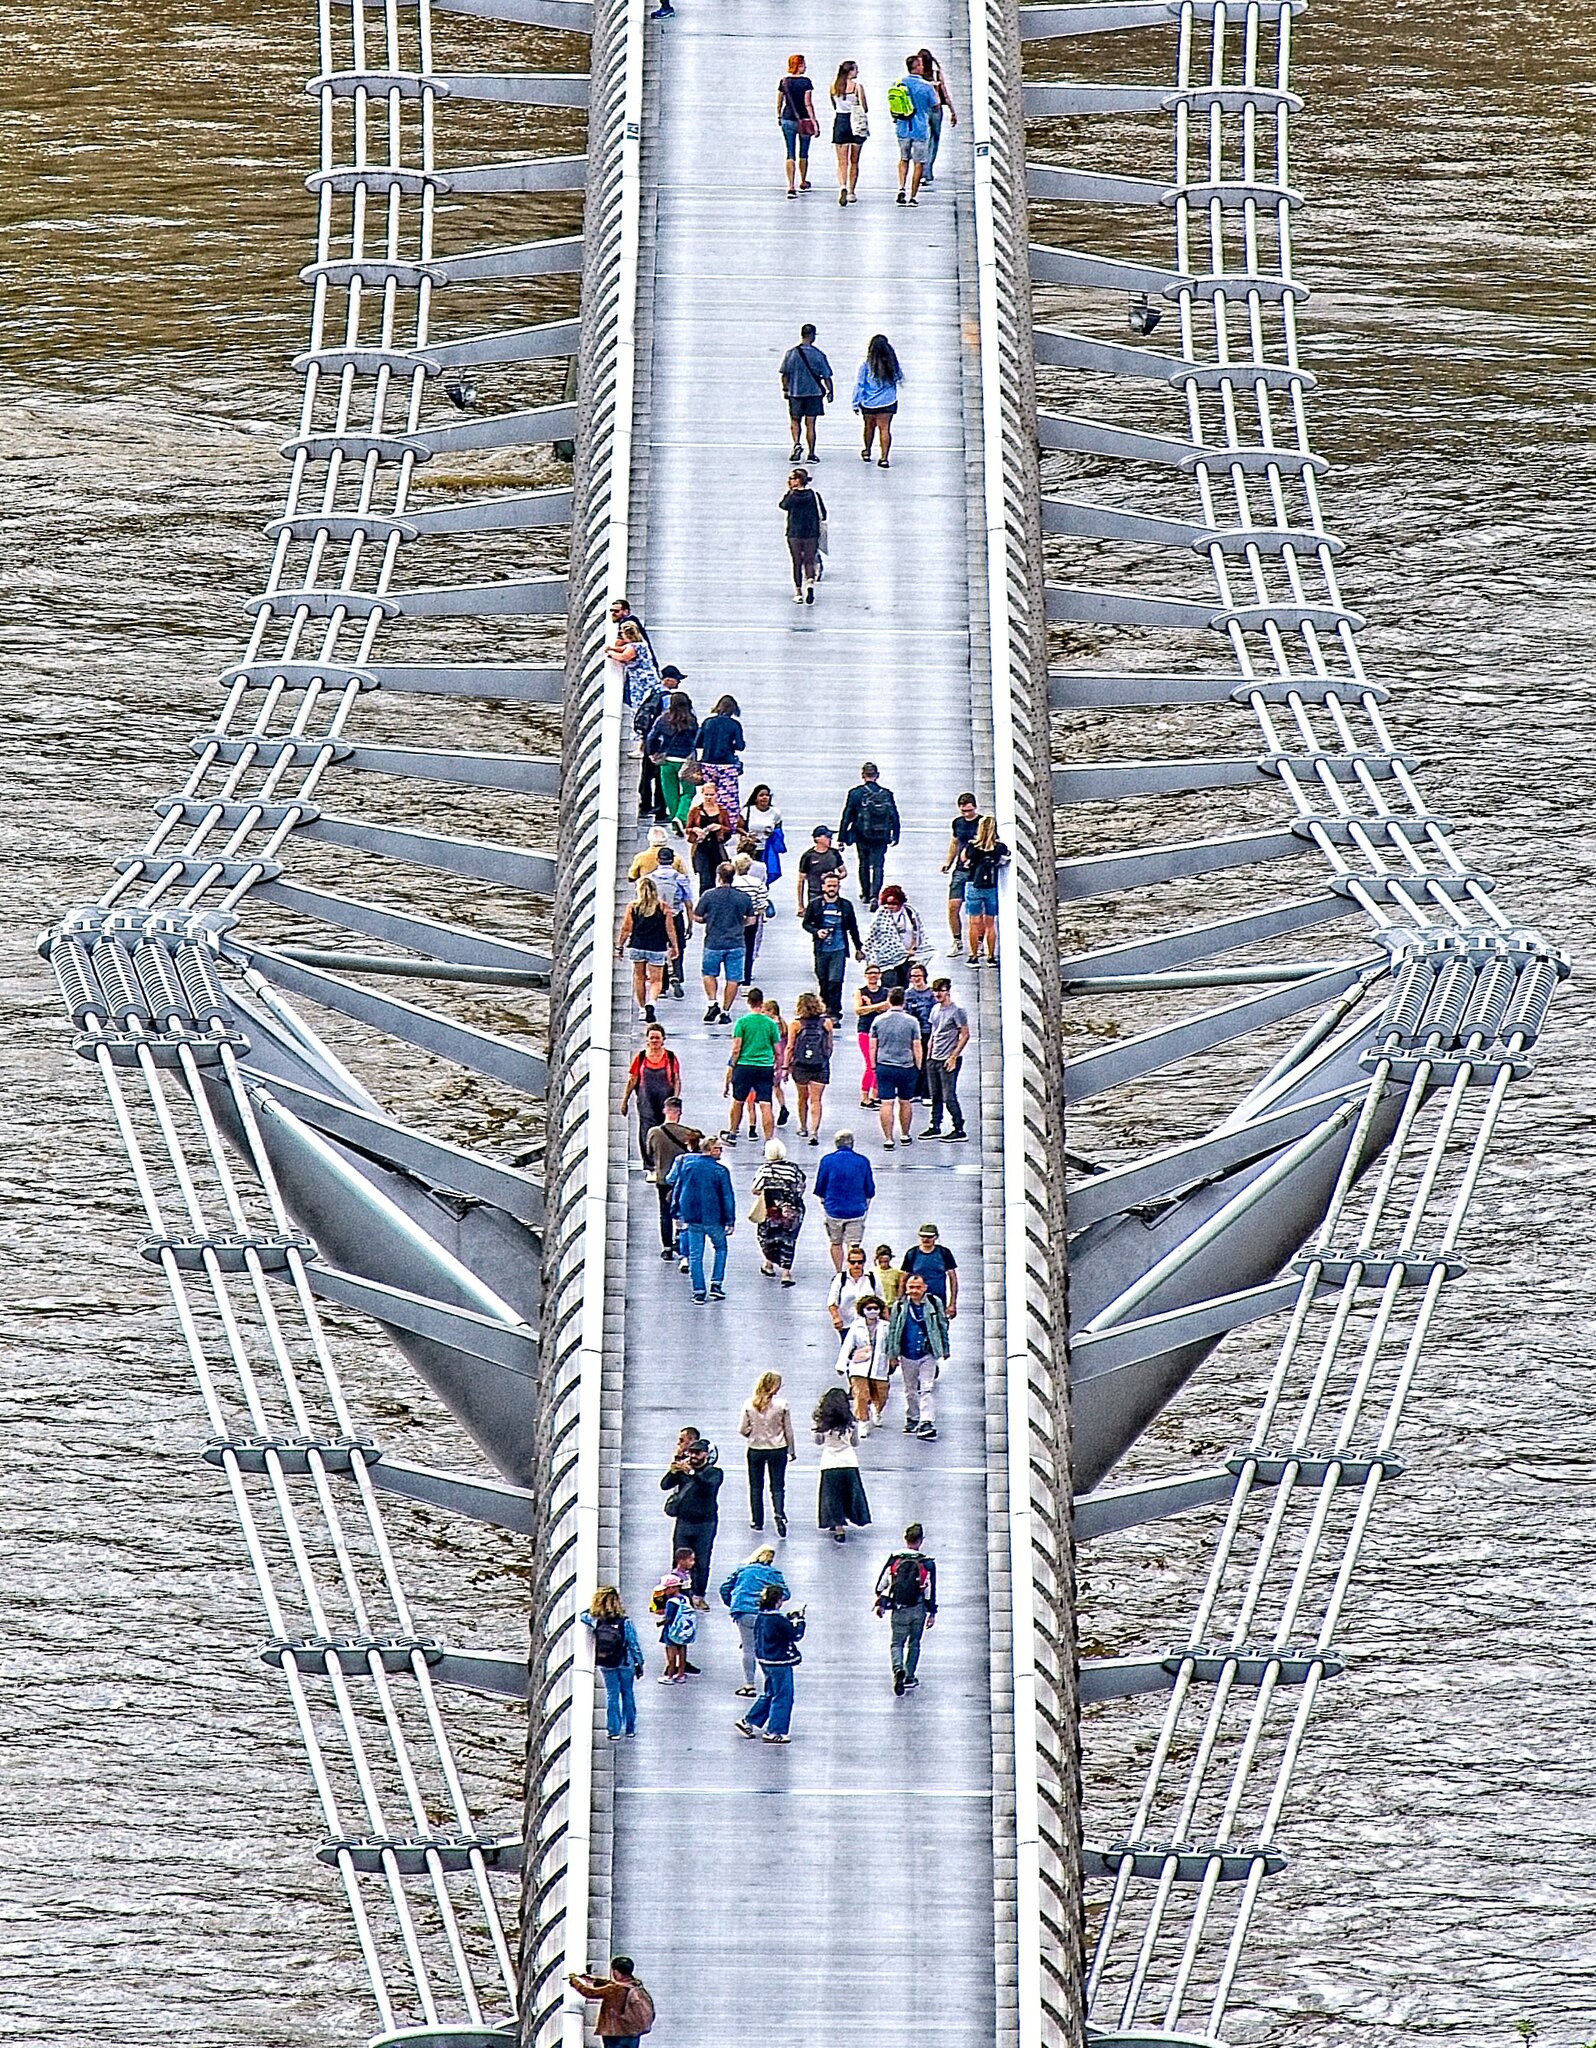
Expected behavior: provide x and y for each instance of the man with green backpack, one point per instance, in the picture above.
(909, 102)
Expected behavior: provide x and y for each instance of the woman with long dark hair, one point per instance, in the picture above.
(875, 396)
(671, 744)
(931, 72)
(842, 1494)
(850, 124)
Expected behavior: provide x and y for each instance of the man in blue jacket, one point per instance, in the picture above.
(705, 1208)
(844, 1187)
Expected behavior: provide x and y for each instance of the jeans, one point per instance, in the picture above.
(667, 1222)
(908, 1626)
(745, 1636)
(699, 1538)
(933, 140)
(797, 144)
(872, 854)
(830, 970)
(695, 1233)
(620, 1699)
(650, 796)
(773, 1708)
(766, 1466)
(945, 1091)
(919, 1376)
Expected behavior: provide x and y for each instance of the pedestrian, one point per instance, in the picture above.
(761, 823)
(960, 833)
(776, 1639)
(944, 1056)
(807, 385)
(936, 1266)
(751, 1069)
(676, 893)
(842, 1302)
(919, 999)
(875, 397)
(648, 939)
(842, 1496)
(821, 860)
(654, 1075)
(898, 1049)
(671, 743)
(887, 1277)
(982, 858)
(907, 1590)
(910, 102)
(931, 72)
(850, 124)
(720, 753)
(783, 1059)
(620, 611)
(749, 875)
(795, 115)
(691, 1486)
(917, 1343)
(645, 693)
(725, 912)
(806, 534)
(742, 1590)
(707, 1213)
(767, 1425)
(778, 1211)
(895, 936)
(833, 925)
(809, 1061)
(664, 1145)
(844, 1187)
(864, 1363)
(870, 824)
(631, 650)
(626, 2012)
(869, 1000)
(678, 1623)
(618, 1656)
(711, 832)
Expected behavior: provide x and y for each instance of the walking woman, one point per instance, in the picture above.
(850, 124)
(795, 114)
(931, 72)
(742, 1590)
(671, 745)
(710, 829)
(776, 1637)
(619, 1657)
(720, 752)
(648, 939)
(783, 1053)
(875, 396)
(761, 822)
(809, 1061)
(869, 1003)
(981, 859)
(895, 937)
(863, 1360)
(767, 1425)
(842, 1494)
(778, 1210)
(806, 519)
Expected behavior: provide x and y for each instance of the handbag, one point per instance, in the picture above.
(824, 543)
(861, 123)
(673, 1501)
(756, 1208)
(807, 126)
(691, 772)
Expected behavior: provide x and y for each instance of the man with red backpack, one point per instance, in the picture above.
(907, 1590)
(626, 2012)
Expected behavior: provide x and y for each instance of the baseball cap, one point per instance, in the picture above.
(928, 1230)
(676, 672)
(821, 832)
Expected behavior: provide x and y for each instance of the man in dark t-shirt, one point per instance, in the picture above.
(821, 860)
(726, 914)
(936, 1266)
(963, 829)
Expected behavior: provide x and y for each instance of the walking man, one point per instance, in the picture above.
(870, 824)
(707, 1212)
(937, 1267)
(844, 1187)
(949, 1035)
(691, 1486)
(821, 860)
(917, 1343)
(806, 385)
(725, 913)
(751, 1070)
(910, 102)
(833, 925)
(896, 1052)
(665, 1144)
(625, 2010)
(907, 1590)
(960, 833)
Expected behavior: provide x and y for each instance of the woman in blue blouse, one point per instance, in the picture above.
(720, 750)
(875, 395)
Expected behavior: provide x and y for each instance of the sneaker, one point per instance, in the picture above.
(905, 1138)
(903, 199)
(909, 1428)
(778, 1738)
(667, 1253)
(864, 454)
(677, 991)
(745, 1692)
(952, 1135)
(797, 450)
(909, 1684)
(669, 1678)
(927, 1432)
(956, 950)
(700, 1297)
(769, 1272)
(663, 13)
(712, 1014)
(648, 1014)
(912, 202)
(809, 595)
(781, 1525)
(717, 1294)
(728, 1137)
(888, 1144)
(615, 1738)
(797, 597)
(932, 1131)
(842, 196)
(788, 1281)
(746, 1728)
(684, 1266)
(782, 1116)
(814, 1141)
(898, 1683)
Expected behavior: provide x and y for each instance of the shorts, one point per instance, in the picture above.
(842, 134)
(806, 1073)
(914, 149)
(759, 1082)
(897, 1084)
(845, 1229)
(646, 958)
(724, 960)
(875, 414)
(980, 902)
(957, 885)
(805, 408)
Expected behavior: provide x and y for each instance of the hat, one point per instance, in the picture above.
(822, 832)
(928, 1230)
(672, 671)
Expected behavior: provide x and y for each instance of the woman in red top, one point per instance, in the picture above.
(653, 1077)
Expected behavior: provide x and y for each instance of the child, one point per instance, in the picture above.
(673, 1603)
(887, 1277)
(783, 1059)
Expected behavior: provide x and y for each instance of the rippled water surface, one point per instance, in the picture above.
(157, 1879)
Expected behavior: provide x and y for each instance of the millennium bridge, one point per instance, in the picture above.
(1099, 587)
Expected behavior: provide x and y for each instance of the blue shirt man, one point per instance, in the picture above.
(914, 131)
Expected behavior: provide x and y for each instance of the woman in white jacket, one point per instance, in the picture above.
(863, 1361)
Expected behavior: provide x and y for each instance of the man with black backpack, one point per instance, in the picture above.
(626, 2012)
(907, 1590)
(870, 823)
(646, 714)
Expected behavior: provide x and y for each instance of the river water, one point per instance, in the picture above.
(157, 1880)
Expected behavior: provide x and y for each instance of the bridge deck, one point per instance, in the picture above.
(840, 1890)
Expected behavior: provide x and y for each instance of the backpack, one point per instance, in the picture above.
(875, 814)
(609, 1643)
(809, 1048)
(637, 2011)
(900, 102)
(907, 1583)
(645, 717)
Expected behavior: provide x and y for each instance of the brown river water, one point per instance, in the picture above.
(157, 1883)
